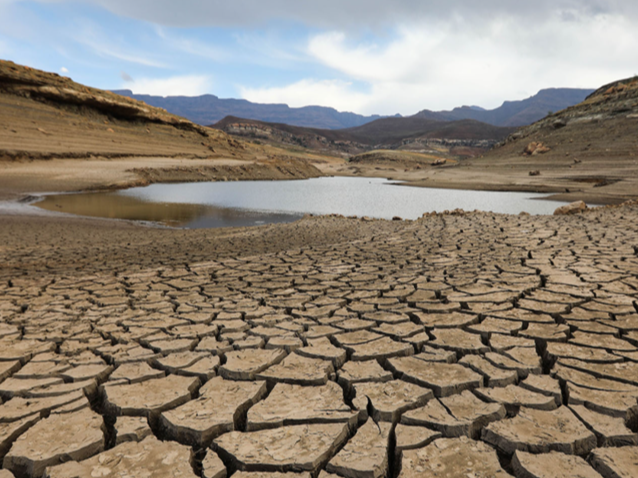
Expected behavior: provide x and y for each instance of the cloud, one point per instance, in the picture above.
(309, 92)
(189, 85)
(126, 77)
(64, 70)
(346, 13)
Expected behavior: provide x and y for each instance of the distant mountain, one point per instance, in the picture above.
(515, 113)
(209, 109)
(410, 133)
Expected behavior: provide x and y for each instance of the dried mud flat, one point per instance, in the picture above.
(469, 345)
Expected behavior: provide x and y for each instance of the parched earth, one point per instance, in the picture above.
(469, 345)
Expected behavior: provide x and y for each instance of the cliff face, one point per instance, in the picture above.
(45, 115)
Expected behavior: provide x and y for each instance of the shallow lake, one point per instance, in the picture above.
(247, 203)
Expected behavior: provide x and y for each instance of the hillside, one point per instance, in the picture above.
(585, 152)
(44, 115)
(388, 133)
(515, 113)
(209, 109)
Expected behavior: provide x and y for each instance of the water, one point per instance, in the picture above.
(246, 203)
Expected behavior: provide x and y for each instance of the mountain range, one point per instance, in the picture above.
(209, 109)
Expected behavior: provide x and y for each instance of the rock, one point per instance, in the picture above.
(390, 399)
(299, 370)
(528, 465)
(444, 379)
(220, 408)
(535, 172)
(149, 458)
(74, 436)
(452, 458)
(296, 405)
(148, 398)
(365, 455)
(246, 364)
(298, 448)
(535, 148)
(573, 208)
(615, 462)
(456, 416)
(537, 431)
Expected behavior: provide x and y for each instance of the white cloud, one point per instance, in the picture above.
(189, 85)
(444, 65)
(309, 92)
(64, 70)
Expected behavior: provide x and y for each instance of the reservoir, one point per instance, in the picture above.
(251, 203)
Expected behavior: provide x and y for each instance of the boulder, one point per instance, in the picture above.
(573, 208)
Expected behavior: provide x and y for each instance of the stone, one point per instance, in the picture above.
(539, 431)
(528, 465)
(74, 436)
(455, 416)
(149, 458)
(609, 431)
(246, 364)
(452, 458)
(390, 399)
(514, 397)
(299, 370)
(573, 208)
(220, 408)
(296, 405)
(298, 448)
(365, 455)
(444, 379)
(148, 398)
(615, 462)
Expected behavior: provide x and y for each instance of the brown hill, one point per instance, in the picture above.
(588, 151)
(45, 115)
(411, 133)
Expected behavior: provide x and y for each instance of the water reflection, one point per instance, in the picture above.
(249, 203)
(114, 205)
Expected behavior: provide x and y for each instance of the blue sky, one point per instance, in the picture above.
(367, 56)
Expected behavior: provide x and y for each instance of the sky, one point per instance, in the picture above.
(365, 56)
